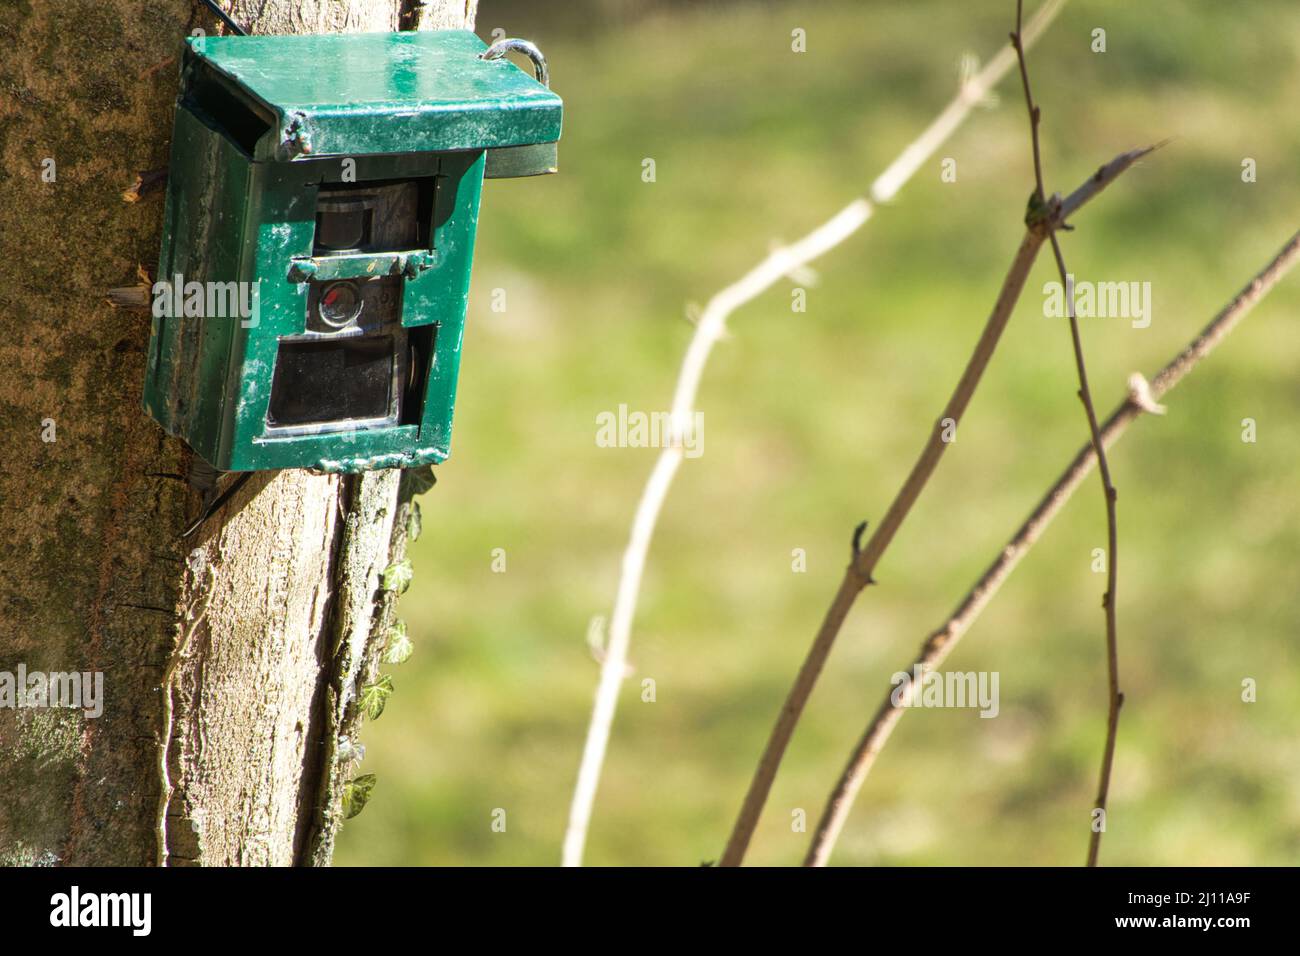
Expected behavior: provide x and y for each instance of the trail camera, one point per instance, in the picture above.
(321, 209)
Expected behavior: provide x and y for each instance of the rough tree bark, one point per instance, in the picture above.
(259, 631)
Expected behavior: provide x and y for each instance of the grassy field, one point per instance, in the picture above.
(811, 421)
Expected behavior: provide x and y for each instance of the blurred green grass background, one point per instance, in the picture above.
(811, 421)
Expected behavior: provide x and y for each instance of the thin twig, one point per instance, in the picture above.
(861, 567)
(710, 328)
(943, 639)
(1115, 699)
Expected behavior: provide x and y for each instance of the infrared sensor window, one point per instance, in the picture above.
(344, 381)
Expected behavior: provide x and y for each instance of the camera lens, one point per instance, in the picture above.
(340, 303)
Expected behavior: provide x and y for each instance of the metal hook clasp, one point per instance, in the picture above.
(499, 49)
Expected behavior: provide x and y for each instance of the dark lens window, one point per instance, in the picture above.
(343, 224)
(319, 382)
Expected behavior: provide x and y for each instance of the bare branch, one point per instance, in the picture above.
(1103, 177)
(710, 328)
(943, 639)
(862, 567)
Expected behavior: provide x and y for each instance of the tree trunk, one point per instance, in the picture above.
(256, 635)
